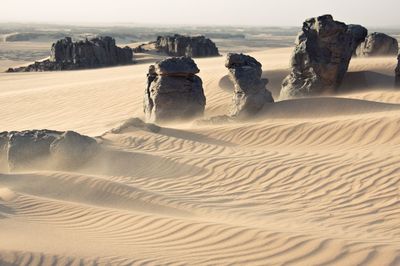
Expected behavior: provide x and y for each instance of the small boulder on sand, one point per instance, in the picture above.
(70, 150)
(40, 149)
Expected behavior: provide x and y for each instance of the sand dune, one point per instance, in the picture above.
(309, 182)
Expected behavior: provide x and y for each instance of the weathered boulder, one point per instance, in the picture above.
(174, 91)
(320, 59)
(397, 73)
(378, 44)
(28, 149)
(250, 94)
(359, 34)
(93, 53)
(70, 150)
(38, 149)
(190, 46)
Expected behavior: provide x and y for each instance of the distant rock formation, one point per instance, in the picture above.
(378, 44)
(179, 45)
(250, 94)
(93, 53)
(397, 73)
(320, 59)
(33, 149)
(174, 91)
(359, 34)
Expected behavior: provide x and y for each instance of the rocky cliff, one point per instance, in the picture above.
(93, 53)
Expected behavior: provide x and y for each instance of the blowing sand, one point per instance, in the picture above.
(313, 181)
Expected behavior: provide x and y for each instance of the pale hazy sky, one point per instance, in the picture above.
(201, 12)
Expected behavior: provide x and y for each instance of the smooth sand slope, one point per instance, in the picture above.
(310, 182)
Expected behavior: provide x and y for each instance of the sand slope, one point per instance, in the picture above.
(310, 182)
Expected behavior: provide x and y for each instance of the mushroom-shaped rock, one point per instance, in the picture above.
(320, 59)
(250, 93)
(71, 149)
(174, 91)
(378, 44)
(359, 33)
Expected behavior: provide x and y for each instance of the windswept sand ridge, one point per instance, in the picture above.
(310, 182)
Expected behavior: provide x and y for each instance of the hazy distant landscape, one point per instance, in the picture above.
(19, 42)
(16, 38)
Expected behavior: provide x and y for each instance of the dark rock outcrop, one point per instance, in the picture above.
(359, 34)
(320, 59)
(378, 44)
(397, 73)
(93, 53)
(37, 149)
(190, 46)
(174, 91)
(250, 94)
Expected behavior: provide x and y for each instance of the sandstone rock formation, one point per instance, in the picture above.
(34, 149)
(397, 73)
(359, 34)
(69, 55)
(174, 91)
(320, 59)
(179, 45)
(378, 44)
(250, 94)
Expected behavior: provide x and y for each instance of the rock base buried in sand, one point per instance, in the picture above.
(36, 149)
(250, 94)
(378, 44)
(174, 91)
(320, 59)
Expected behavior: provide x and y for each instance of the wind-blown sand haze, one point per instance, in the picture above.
(311, 181)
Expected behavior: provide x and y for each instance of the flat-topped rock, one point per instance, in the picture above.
(180, 45)
(320, 59)
(191, 46)
(68, 55)
(174, 91)
(176, 66)
(250, 93)
(378, 44)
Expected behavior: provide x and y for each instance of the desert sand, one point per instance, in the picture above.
(311, 182)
